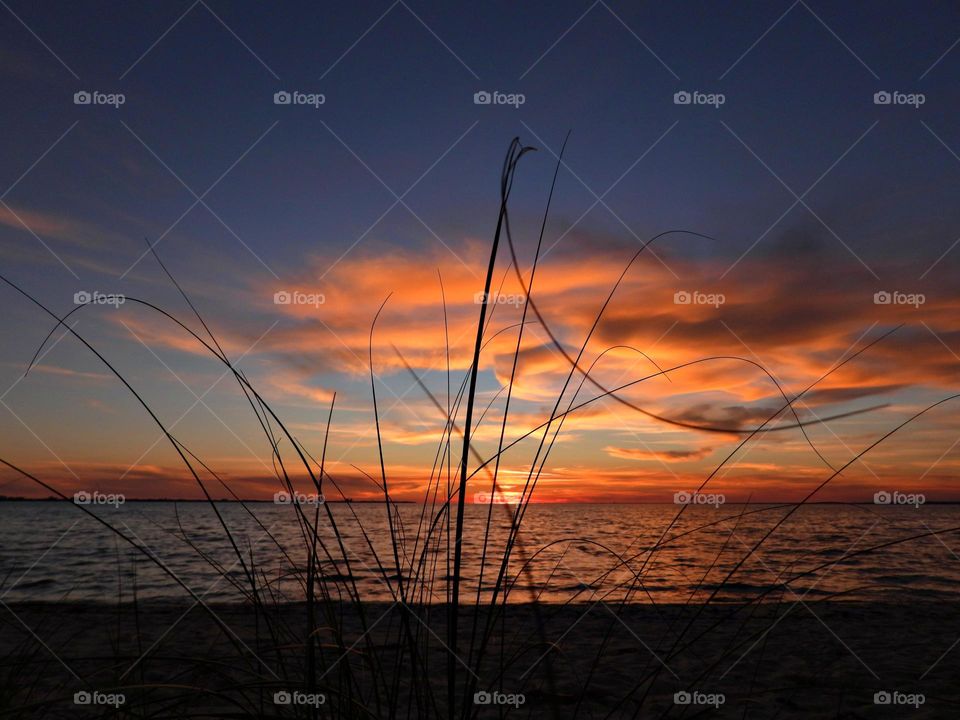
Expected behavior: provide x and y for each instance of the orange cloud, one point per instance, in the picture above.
(796, 321)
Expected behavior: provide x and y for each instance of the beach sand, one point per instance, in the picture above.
(795, 659)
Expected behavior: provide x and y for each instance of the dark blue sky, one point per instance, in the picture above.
(399, 99)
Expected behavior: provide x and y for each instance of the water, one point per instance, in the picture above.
(52, 551)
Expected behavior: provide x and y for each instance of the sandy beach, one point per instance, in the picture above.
(787, 660)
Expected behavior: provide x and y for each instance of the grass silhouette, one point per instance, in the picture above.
(437, 646)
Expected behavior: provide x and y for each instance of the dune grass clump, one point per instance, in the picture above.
(465, 633)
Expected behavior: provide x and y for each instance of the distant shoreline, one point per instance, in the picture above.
(351, 501)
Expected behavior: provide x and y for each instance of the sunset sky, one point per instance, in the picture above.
(816, 197)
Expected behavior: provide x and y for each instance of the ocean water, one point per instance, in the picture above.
(53, 551)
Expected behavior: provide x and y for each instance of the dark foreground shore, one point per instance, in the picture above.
(794, 659)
